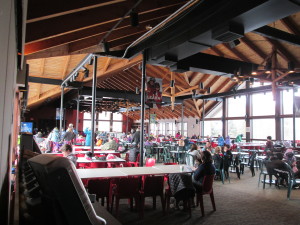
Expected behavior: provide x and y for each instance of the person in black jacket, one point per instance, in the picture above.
(206, 168)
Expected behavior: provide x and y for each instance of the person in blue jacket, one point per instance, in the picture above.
(220, 140)
(88, 134)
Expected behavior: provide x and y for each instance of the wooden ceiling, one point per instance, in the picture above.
(60, 33)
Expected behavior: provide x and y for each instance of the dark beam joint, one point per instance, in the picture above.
(211, 64)
(278, 35)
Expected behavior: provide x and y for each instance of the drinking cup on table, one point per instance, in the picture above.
(181, 168)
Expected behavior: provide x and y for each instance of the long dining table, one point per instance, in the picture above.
(132, 171)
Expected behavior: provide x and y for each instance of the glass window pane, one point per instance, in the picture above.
(87, 116)
(236, 127)
(87, 123)
(287, 102)
(237, 106)
(263, 104)
(263, 128)
(117, 116)
(216, 112)
(104, 115)
(104, 126)
(213, 128)
(117, 127)
(287, 128)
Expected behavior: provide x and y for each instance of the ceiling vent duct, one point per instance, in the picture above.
(228, 32)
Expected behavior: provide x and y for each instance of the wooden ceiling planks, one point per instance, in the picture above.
(121, 74)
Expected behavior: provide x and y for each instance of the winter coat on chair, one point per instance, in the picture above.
(88, 137)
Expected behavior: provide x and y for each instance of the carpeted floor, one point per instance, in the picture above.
(238, 202)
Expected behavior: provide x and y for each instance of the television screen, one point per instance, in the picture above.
(26, 127)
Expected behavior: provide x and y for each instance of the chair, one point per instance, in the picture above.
(63, 193)
(152, 186)
(264, 172)
(236, 165)
(148, 151)
(125, 188)
(166, 154)
(150, 162)
(207, 188)
(221, 171)
(100, 187)
(181, 187)
(97, 165)
(251, 163)
(137, 162)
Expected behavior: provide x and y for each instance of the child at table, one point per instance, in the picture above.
(67, 152)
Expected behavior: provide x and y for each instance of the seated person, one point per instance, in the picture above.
(67, 152)
(194, 159)
(290, 158)
(110, 145)
(194, 136)
(99, 141)
(133, 149)
(148, 142)
(206, 168)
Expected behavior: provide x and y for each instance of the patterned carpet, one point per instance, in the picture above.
(238, 202)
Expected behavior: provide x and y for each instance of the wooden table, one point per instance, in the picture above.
(131, 171)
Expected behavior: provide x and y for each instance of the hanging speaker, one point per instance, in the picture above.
(134, 18)
(208, 90)
(201, 85)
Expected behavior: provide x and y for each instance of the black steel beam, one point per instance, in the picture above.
(42, 80)
(131, 96)
(278, 35)
(233, 93)
(211, 64)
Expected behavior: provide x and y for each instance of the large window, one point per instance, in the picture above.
(184, 128)
(237, 106)
(216, 112)
(263, 104)
(287, 124)
(117, 126)
(170, 129)
(236, 127)
(104, 116)
(104, 126)
(262, 128)
(213, 128)
(107, 121)
(287, 102)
